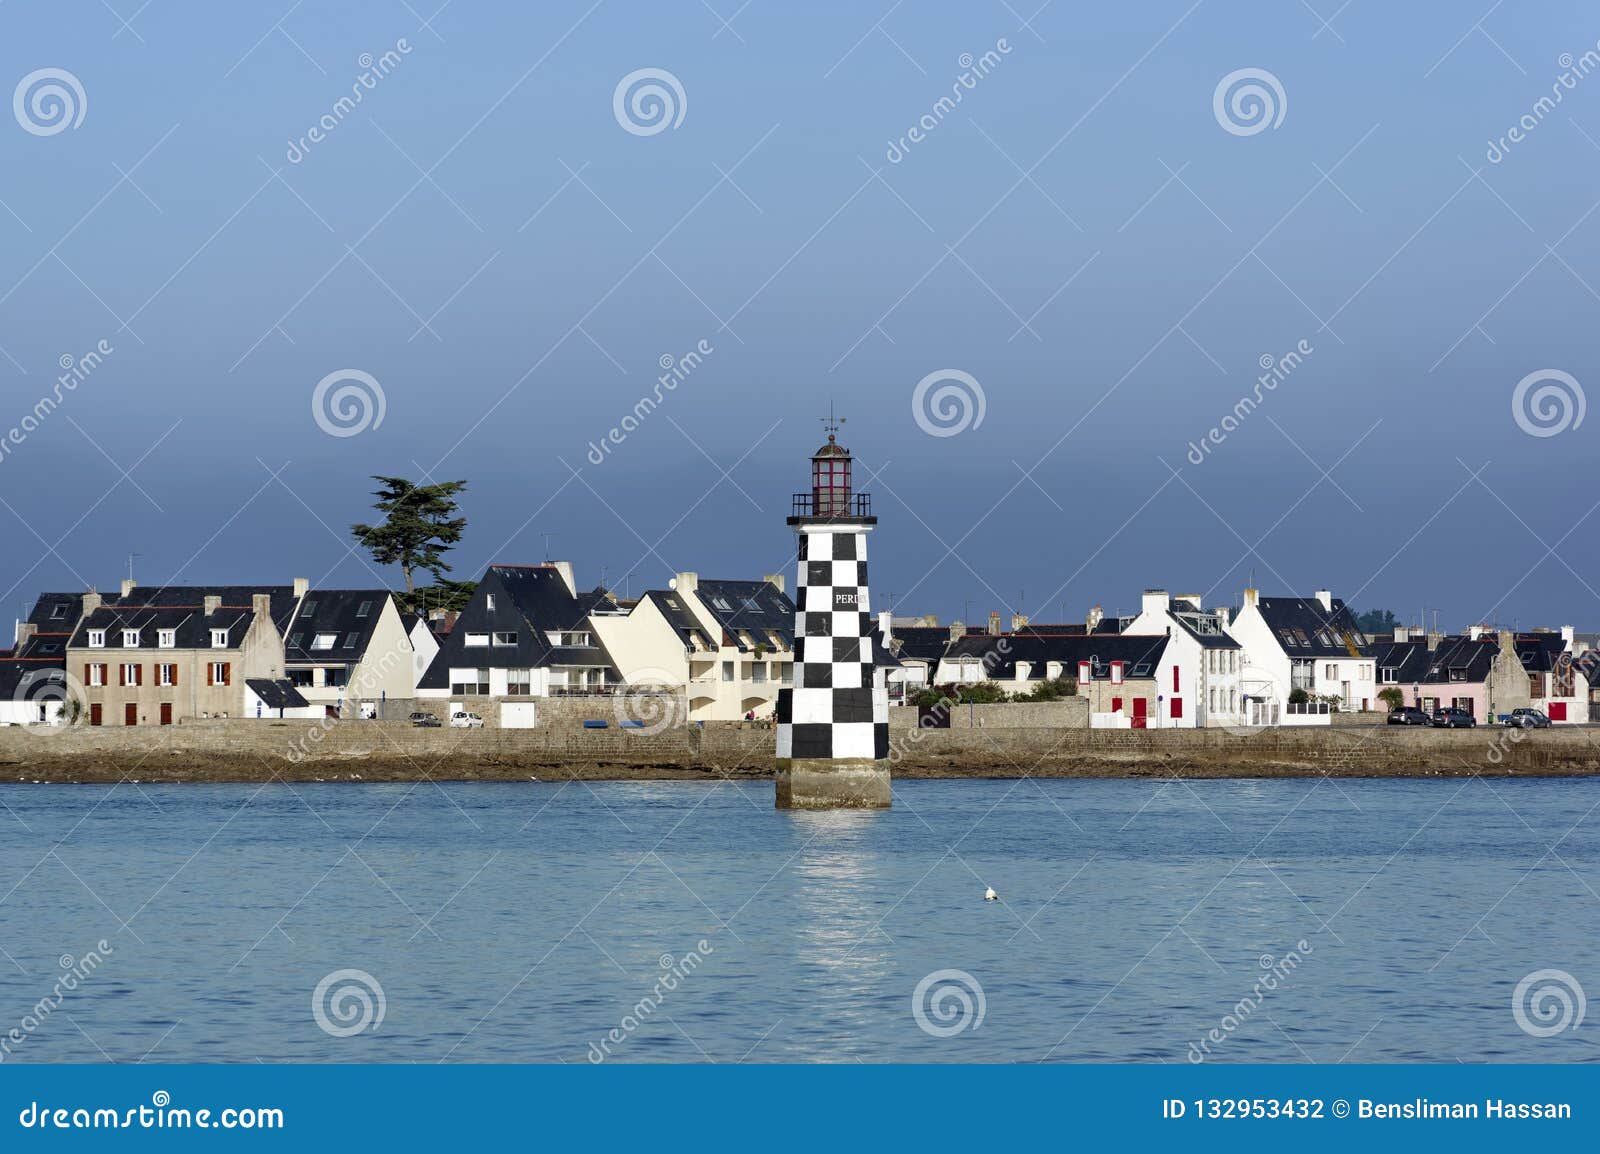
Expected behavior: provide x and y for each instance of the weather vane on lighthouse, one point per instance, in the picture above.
(833, 725)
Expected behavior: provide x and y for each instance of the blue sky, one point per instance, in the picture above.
(485, 239)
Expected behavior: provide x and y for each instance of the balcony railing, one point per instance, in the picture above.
(826, 504)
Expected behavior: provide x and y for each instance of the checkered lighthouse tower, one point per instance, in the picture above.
(833, 725)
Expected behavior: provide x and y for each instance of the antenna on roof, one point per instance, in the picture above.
(547, 537)
(131, 556)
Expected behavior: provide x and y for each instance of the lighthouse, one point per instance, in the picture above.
(833, 725)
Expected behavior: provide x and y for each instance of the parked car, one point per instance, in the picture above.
(1525, 719)
(1452, 718)
(425, 721)
(1409, 715)
(461, 719)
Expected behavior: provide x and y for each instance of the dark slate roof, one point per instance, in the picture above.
(164, 596)
(56, 611)
(190, 622)
(22, 679)
(278, 694)
(1305, 629)
(1539, 652)
(921, 642)
(1208, 640)
(1414, 663)
(682, 619)
(531, 601)
(1138, 654)
(880, 654)
(753, 607)
(339, 612)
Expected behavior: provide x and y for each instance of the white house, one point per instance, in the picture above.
(1307, 643)
(1200, 669)
(348, 651)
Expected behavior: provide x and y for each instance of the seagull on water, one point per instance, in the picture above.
(990, 896)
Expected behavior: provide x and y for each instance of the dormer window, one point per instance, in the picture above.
(505, 638)
(219, 639)
(488, 600)
(97, 639)
(477, 639)
(130, 639)
(167, 638)
(58, 611)
(324, 640)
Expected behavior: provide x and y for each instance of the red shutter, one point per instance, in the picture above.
(88, 673)
(1116, 705)
(227, 668)
(211, 673)
(138, 675)
(174, 673)
(122, 674)
(1175, 685)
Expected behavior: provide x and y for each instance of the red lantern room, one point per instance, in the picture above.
(830, 480)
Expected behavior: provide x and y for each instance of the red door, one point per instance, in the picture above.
(94, 713)
(1558, 711)
(166, 713)
(1177, 707)
(130, 714)
(1139, 707)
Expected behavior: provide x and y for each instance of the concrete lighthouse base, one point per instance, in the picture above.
(832, 783)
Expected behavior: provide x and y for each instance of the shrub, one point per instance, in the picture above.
(1392, 697)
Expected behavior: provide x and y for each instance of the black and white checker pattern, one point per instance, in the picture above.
(834, 710)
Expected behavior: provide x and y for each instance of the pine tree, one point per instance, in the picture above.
(420, 525)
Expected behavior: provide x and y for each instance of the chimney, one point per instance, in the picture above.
(1474, 632)
(957, 631)
(1433, 640)
(885, 624)
(1155, 601)
(24, 631)
(261, 603)
(565, 569)
(1401, 633)
(1252, 598)
(1325, 598)
(300, 587)
(91, 602)
(1096, 615)
(1568, 636)
(775, 580)
(1019, 622)
(128, 585)
(994, 623)
(685, 582)
(211, 604)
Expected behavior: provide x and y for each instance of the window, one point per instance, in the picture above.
(519, 682)
(488, 600)
(130, 639)
(727, 671)
(505, 638)
(758, 672)
(470, 682)
(130, 674)
(166, 674)
(219, 671)
(309, 610)
(477, 639)
(787, 674)
(1390, 674)
(95, 673)
(324, 640)
(219, 639)
(97, 639)
(57, 612)
(1458, 674)
(301, 678)
(336, 676)
(364, 609)
(1116, 673)
(167, 638)
(350, 640)
(295, 639)
(1331, 672)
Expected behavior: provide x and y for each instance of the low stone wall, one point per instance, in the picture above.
(1068, 713)
(647, 707)
(247, 750)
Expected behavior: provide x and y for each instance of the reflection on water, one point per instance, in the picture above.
(525, 922)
